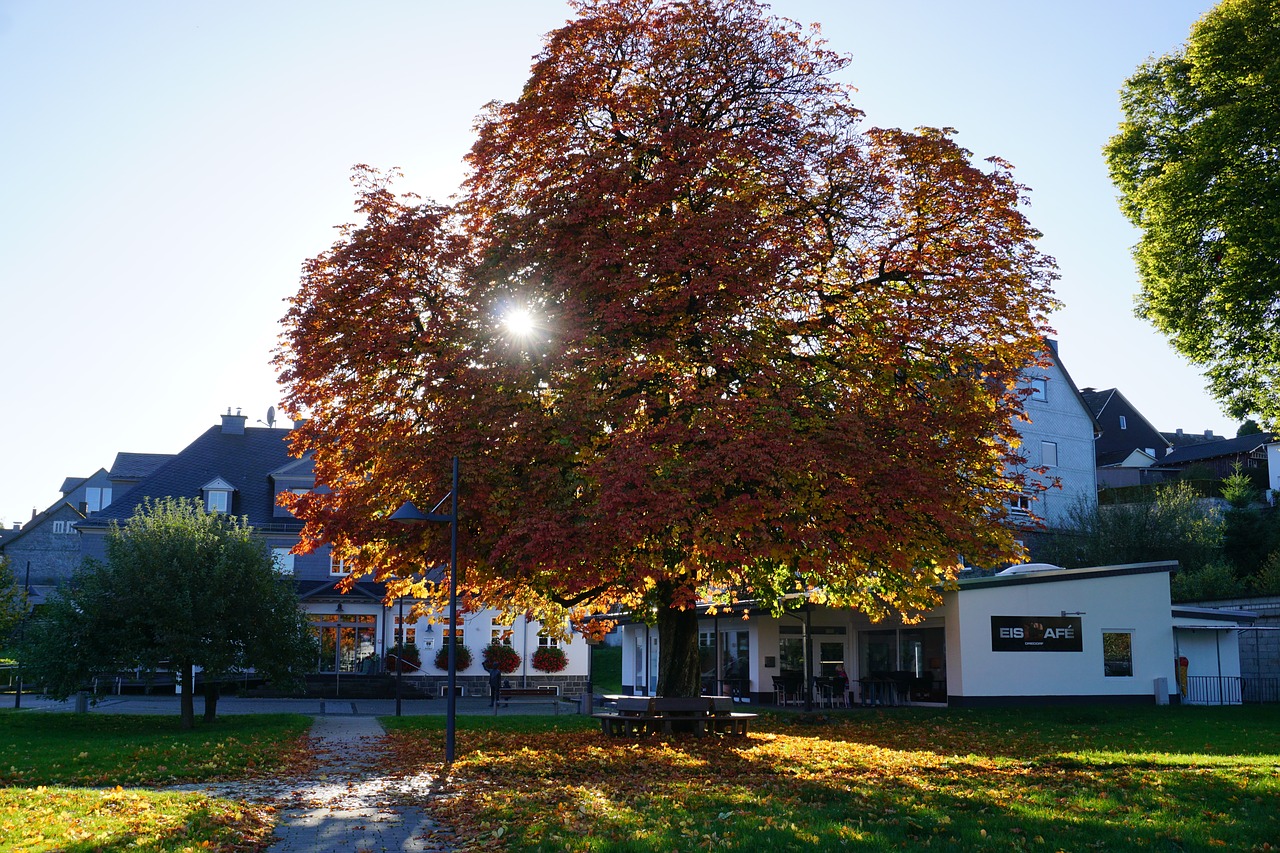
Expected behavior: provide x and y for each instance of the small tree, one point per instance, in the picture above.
(180, 588)
(13, 602)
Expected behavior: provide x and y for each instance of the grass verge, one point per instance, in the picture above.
(1046, 779)
(50, 762)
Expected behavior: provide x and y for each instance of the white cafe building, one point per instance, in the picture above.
(1032, 634)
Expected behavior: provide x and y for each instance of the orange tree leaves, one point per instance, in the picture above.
(773, 351)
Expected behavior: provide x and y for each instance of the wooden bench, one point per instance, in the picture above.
(701, 715)
(521, 695)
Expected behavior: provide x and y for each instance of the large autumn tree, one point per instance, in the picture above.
(1197, 163)
(772, 353)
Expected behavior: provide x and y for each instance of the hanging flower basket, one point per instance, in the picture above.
(549, 659)
(407, 657)
(501, 657)
(442, 657)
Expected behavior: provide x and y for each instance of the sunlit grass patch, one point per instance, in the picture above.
(39, 819)
(1124, 778)
(118, 749)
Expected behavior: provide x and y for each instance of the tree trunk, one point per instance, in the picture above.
(187, 678)
(679, 669)
(210, 701)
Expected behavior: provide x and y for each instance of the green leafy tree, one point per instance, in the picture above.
(1195, 160)
(180, 588)
(1173, 523)
(13, 602)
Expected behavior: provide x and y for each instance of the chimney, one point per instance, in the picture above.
(233, 424)
(1208, 433)
(1179, 431)
(17, 525)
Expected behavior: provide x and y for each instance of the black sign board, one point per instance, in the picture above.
(1036, 634)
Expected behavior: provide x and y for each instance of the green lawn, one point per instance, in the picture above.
(81, 782)
(1173, 779)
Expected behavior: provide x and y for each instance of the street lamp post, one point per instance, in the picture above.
(410, 514)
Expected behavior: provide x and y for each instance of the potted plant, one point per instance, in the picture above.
(501, 657)
(549, 659)
(442, 657)
(406, 657)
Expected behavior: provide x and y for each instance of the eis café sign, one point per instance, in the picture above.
(1036, 634)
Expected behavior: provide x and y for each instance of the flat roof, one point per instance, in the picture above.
(1059, 575)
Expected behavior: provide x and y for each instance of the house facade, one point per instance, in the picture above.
(1059, 436)
(242, 471)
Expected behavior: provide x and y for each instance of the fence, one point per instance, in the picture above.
(1230, 690)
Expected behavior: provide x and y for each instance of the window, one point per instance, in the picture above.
(1040, 389)
(407, 632)
(338, 566)
(97, 499)
(283, 560)
(1117, 653)
(216, 501)
(64, 527)
(545, 641)
(1123, 423)
(1049, 454)
(1020, 504)
(500, 635)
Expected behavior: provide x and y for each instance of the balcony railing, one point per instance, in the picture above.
(1230, 690)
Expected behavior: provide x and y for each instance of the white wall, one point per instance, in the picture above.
(1138, 603)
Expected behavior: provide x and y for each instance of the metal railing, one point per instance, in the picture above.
(1230, 690)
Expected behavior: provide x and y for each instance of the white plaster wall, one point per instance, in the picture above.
(1138, 603)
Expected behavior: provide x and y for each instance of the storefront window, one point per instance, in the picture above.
(1117, 653)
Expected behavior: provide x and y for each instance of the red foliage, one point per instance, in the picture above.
(774, 352)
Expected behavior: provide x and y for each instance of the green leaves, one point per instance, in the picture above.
(1195, 162)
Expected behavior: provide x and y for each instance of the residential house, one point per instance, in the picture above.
(1059, 436)
(1220, 457)
(242, 471)
(45, 551)
(1128, 446)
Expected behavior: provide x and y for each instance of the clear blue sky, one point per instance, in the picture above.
(166, 167)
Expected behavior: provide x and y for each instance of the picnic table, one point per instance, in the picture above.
(640, 715)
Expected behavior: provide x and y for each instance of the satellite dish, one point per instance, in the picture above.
(271, 416)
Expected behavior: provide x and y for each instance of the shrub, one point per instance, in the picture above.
(549, 659)
(502, 657)
(442, 657)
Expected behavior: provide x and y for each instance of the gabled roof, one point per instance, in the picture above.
(38, 520)
(1135, 458)
(1071, 383)
(137, 466)
(1239, 446)
(244, 460)
(1099, 401)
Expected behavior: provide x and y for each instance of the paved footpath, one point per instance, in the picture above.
(347, 805)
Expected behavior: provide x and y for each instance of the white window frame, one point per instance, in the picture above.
(1019, 504)
(1124, 423)
(1040, 389)
(217, 500)
(338, 566)
(96, 498)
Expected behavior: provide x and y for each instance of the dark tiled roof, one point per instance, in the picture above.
(1096, 400)
(244, 460)
(1214, 449)
(70, 484)
(137, 466)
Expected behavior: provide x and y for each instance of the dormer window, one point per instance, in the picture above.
(217, 495)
